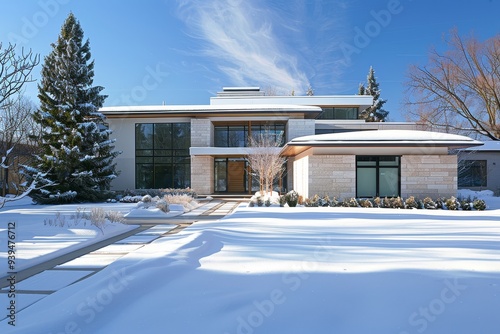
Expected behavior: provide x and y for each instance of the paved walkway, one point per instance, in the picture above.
(46, 278)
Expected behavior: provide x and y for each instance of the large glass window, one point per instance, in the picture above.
(339, 113)
(472, 173)
(377, 176)
(237, 135)
(162, 157)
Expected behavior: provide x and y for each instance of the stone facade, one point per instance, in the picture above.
(333, 175)
(202, 134)
(202, 174)
(429, 175)
(299, 127)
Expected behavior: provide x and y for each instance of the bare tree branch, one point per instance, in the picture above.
(15, 71)
(459, 89)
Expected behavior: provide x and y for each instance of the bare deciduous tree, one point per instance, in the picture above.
(459, 90)
(264, 158)
(15, 71)
(18, 133)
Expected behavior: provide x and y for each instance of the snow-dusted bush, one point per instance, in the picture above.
(292, 198)
(98, 218)
(479, 204)
(282, 200)
(397, 203)
(365, 203)
(452, 203)
(411, 203)
(185, 200)
(429, 204)
(114, 217)
(162, 204)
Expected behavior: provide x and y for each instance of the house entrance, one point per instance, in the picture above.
(231, 175)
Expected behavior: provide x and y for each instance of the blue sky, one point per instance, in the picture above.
(184, 51)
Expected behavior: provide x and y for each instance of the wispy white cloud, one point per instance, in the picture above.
(242, 38)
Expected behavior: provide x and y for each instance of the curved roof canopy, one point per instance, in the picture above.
(379, 138)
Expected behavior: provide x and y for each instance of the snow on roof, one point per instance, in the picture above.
(489, 145)
(210, 108)
(377, 137)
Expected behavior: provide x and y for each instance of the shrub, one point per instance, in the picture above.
(282, 200)
(267, 202)
(429, 204)
(365, 203)
(162, 204)
(292, 198)
(411, 203)
(115, 217)
(334, 202)
(260, 201)
(377, 202)
(386, 203)
(98, 218)
(325, 201)
(479, 204)
(397, 203)
(452, 203)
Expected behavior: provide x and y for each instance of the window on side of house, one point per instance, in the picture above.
(162, 157)
(378, 176)
(472, 173)
(339, 113)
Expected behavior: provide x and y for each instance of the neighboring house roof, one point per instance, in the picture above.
(191, 110)
(379, 138)
(489, 146)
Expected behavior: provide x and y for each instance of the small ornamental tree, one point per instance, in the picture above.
(374, 113)
(76, 151)
(264, 158)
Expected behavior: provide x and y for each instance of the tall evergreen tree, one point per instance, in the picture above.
(374, 113)
(77, 153)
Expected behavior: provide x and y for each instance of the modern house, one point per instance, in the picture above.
(329, 150)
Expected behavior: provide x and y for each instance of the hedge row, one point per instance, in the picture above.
(292, 199)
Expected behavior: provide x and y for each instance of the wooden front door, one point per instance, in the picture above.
(236, 176)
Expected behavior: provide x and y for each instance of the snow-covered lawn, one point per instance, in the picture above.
(36, 241)
(295, 270)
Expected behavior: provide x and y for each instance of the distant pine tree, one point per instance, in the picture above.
(374, 113)
(77, 154)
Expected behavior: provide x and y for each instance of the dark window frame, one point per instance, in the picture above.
(150, 159)
(377, 159)
(472, 173)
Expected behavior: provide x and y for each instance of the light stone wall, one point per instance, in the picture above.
(333, 175)
(300, 127)
(301, 175)
(202, 174)
(429, 175)
(202, 133)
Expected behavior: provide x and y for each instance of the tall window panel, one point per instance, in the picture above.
(162, 155)
(472, 173)
(378, 176)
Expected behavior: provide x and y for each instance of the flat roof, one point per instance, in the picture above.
(379, 138)
(191, 110)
